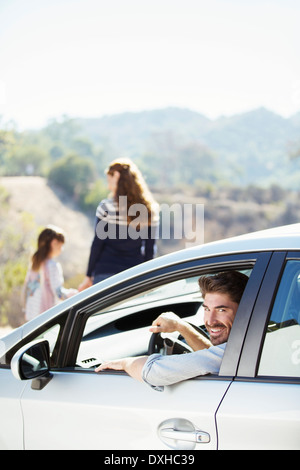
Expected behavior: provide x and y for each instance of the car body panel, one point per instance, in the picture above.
(114, 411)
(259, 416)
(11, 434)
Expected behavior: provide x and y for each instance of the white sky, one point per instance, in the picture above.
(88, 58)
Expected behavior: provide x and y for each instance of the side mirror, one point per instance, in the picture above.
(32, 362)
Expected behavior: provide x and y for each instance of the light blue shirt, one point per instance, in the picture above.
(162, 370)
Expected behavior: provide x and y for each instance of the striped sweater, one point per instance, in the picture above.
(117, 245)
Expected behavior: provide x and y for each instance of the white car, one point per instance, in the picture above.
(51, 397)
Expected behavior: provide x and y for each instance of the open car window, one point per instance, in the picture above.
(172, 290)
(122, 330)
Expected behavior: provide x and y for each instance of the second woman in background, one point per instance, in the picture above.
(126, 224)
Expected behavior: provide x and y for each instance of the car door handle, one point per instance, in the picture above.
(199, 437)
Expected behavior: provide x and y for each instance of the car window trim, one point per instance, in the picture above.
(61, 320)
(251, 352)
(270, 379)
(238, 332)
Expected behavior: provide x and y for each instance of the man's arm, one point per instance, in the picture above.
(169, 322)
(132, 365)
(157, 370)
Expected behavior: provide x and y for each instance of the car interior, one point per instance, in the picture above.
(123, 330)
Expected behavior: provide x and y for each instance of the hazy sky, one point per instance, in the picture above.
(88, 58)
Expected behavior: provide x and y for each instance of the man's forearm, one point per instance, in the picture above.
(195, 339)
(132, 365)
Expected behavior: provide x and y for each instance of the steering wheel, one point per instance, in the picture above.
(169, 344)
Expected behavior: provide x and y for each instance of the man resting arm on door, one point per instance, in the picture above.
(222, 293)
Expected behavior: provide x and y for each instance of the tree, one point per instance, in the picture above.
(294, 151)
(18, 237)
(7, 142)
(73, 174)
(63, 131)
(91, 199)
(27, 160)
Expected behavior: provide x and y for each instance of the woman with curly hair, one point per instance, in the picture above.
(126, 224)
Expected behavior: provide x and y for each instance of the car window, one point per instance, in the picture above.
(51, 335)
(123, 329)
(51, 331)
(171, 290)
(281, 350)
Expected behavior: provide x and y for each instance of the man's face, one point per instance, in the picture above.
(219, 313)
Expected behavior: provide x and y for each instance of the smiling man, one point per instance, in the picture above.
(222, 293)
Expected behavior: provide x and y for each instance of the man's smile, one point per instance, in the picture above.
(215, 331)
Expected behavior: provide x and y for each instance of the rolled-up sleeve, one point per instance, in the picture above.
(162, 370)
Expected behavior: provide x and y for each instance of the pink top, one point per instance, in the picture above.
(44, 288)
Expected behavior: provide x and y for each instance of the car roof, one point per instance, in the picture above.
(279, 238)
(286, 237)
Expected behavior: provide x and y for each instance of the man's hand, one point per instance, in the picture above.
(117, 364)
(167, 322)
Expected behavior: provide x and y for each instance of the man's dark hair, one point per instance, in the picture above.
(231, 283)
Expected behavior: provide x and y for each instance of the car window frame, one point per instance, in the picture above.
(252, 349)
(257, 261)
(61, 321)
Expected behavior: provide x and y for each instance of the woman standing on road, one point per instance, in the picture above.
(126, 224)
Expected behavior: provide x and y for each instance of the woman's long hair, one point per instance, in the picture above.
(132, 185)
(44, 245)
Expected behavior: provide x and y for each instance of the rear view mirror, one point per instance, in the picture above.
(32, 362)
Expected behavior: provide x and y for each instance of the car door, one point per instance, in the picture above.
(79, 409)
(11, 428)
(113, 411)
(261, 409)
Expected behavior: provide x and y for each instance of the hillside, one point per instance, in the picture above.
(34, 196)
(248, 147)
(227, 212)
